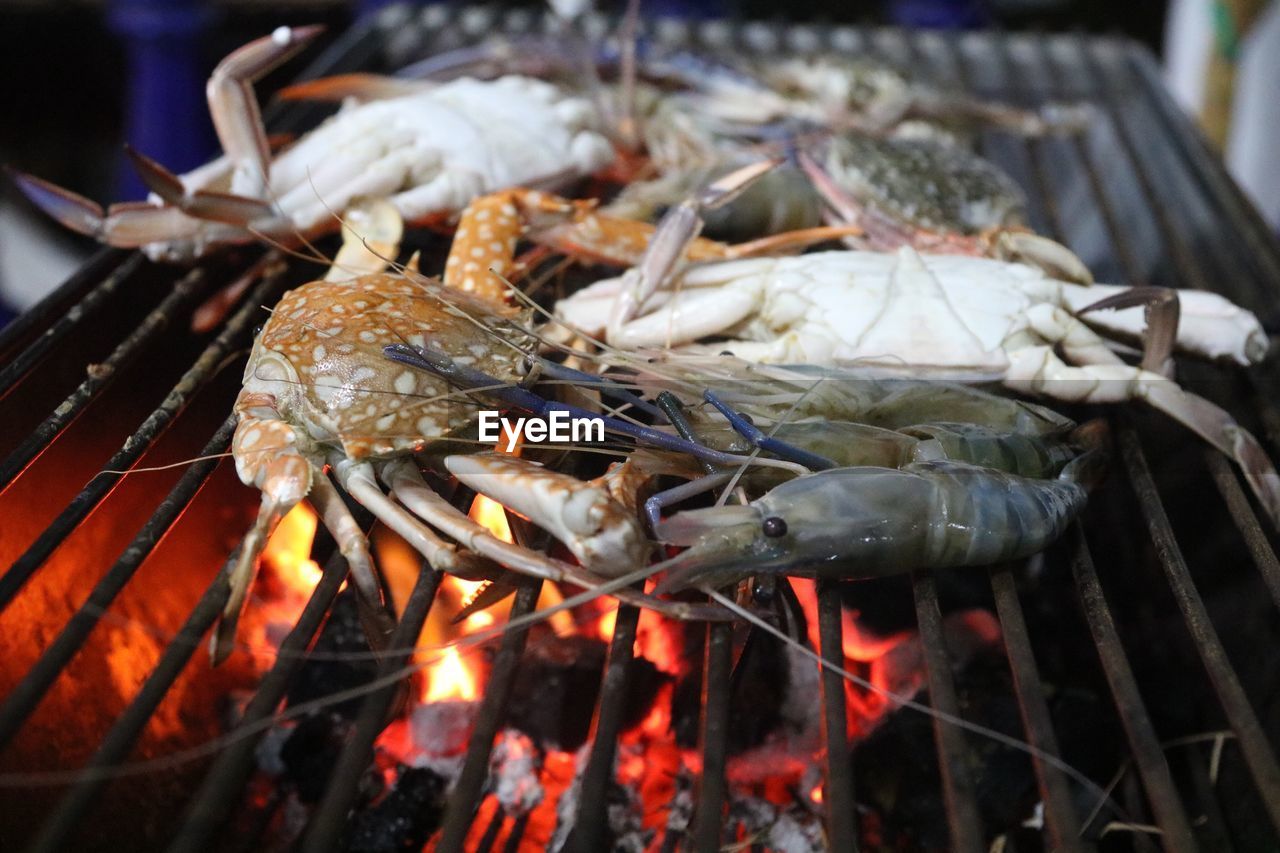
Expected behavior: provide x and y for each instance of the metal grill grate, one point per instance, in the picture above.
(1139, 197)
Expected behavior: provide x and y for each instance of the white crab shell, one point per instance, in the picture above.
(436, 150)
(946, 315)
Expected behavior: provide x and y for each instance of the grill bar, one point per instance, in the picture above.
(465, 798)
(708, 821)
(124, 268)
(838, 797)
(325, 831)
(1255, 749)
(225, 780)
(963, 820)
(1246, 521)
(1148, 756)
(185, 292)
(205, 367)
(27, 695)
(590, 830)
(1060, 818)
(123, 735)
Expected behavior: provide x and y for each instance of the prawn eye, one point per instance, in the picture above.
(773, 527)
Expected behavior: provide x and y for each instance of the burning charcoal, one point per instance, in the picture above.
(441, 729)
(896, 766)
(758, 688)
(887, 605)
(556, 688)
(405, 818)
(514, 768)
(680, 810)
(624, 815)
(323, 675)
(310, 751)
(789, 829)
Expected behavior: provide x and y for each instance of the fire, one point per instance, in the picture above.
(491, 515)
(288, 552)
(449, 678)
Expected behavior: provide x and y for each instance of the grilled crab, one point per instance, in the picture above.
(945, 316)
(866, 94)
(935, 195)
(319, 398)
(429, 149)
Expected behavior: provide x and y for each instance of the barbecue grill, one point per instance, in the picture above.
(1169, 585)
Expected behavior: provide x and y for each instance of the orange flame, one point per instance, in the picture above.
(288, 552)
(491, 515)
(449, 678)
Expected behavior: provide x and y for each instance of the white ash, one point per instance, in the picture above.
(680, 813)
(792, 829)
(567, 805)
(267, 752)
(441, 729)
(624, 811)
(514, 768)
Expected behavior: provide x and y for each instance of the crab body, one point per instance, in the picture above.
(428, 148)
(320, 360)
(947, 316)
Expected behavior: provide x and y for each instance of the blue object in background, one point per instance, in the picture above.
(691, 9)
(939, 14)
(167, 117)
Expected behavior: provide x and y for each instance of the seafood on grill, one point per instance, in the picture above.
(319, 396)
(861, 93)
(864, 521)
(944, 316)
(428, 149)
(935, 195)
(879, 500)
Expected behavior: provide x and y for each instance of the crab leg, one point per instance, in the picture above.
(236, 117)
(267, 457)
(409, 487)
(128, 225)
(1103, 378)
(1208, 324)
(1162, 310)
(377, 620)
(358, 479)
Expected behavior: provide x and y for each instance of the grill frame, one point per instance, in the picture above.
(1121, 74)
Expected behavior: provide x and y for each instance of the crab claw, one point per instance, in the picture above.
(1163, 310)
(1221, 430)
(201, 204)
(234, 108)
(73, 211)
(599, 531)
(672, 236)
(1055, 259)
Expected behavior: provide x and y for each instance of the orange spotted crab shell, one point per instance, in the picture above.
(320, 356)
